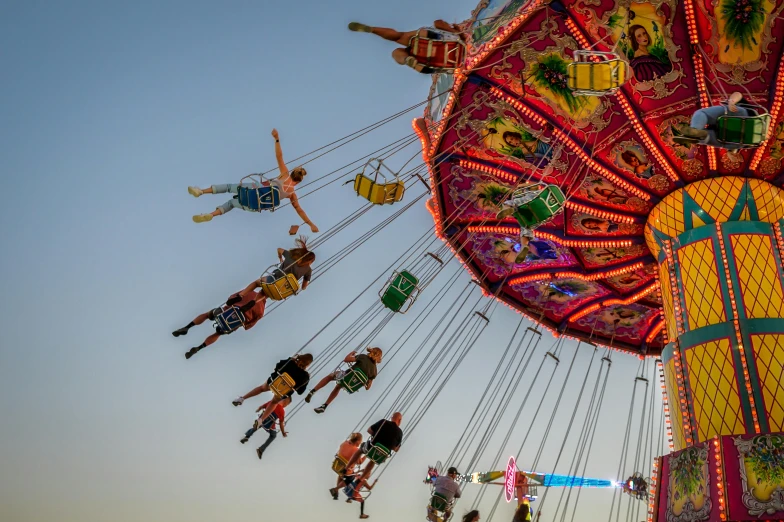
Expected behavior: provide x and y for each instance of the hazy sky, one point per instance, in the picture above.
(109, 111)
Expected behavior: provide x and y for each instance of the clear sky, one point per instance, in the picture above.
(109, 111)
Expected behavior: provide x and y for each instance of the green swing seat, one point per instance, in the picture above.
(743, 131)
(354, 379)
(378, 453)
(438, 502)
(399, 291)
(541, 208)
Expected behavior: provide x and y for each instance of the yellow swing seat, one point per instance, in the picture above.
(282, 385)
(367, 185)
(379, 193)
(339, 465)
(281, 287)
(594, 73)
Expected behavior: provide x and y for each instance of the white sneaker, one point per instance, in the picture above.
(195, 191)
(238, 401)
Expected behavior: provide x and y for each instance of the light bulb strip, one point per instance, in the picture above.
(699, 69)
(655, 331)
(775, 110)
(738, 334)
(602, 214)
(573, 146)
(666, 404)
(643, 133)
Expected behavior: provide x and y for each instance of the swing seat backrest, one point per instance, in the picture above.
(399, 290)
(596, 73)
(339, 465)
(282, 385)
(440, 49)
(746, 131)
(379, 193)
(282, 287)
(259, 199)
(230, 319)
(378, 453)
(438, 502)
(354, 379)
(542, 208)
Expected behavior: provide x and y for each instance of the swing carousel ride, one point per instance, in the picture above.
(642, 241)
(562, 179)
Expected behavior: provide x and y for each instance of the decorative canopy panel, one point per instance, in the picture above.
(509, 116)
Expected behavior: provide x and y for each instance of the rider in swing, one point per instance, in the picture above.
(702, 128)
(524, 194)
(444, 54)
(367, 363)
(285, 184)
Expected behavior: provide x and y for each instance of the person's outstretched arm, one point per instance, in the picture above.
(301, 213)
(284, 171)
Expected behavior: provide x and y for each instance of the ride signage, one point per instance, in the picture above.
(509, 481)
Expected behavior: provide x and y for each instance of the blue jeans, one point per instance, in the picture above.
(710, 116)
(270, 437)
(230, 188)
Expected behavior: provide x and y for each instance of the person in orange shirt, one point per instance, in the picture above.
(251, 305)
(346, 451)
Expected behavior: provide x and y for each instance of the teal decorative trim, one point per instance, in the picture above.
(690, 207)
(745, 197)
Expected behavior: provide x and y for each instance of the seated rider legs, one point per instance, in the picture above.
(197, 321)
(258, 390)
(323, 382)
(702, 127)
(230, 188)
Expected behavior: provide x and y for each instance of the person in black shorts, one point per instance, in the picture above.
(386, 433)
(365, 362)
(296, 367)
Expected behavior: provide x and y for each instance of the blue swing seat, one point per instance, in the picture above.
(230, 319)
(259, 199)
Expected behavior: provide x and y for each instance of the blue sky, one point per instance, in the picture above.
(110, 110)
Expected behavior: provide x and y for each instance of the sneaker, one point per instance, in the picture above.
(505, 213)
(685, 141)
(238, 401)
(359, 28)
(691, 132)
(202, 218)
(309, 395)
(321, 409)
(259, 452)
(334, 493)
(520, 259)
(181, 331)
(243, 440)
(195, 191)
(190, 353)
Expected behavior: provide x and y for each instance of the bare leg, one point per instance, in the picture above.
(323, 382)
(210, 339)
(333, 395)
(400, 56)
(269, 409)
(256, 391)
(366, 471)
(393, 35)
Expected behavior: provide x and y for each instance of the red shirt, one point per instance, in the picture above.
(253, 315)
(279, 412)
